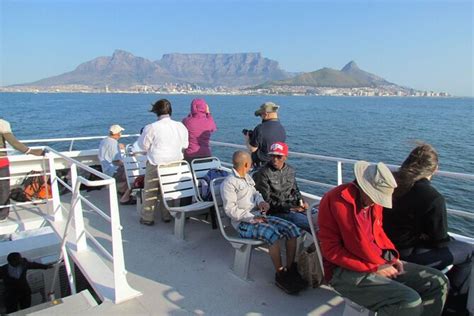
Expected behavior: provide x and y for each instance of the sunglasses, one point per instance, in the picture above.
(279, 157)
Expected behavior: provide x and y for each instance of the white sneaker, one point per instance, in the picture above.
(4, 220)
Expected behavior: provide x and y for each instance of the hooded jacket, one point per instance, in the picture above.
(200, 125)
(343, 242)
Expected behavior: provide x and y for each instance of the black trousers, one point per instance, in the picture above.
(4, 192)
(15, 298)
(456, 252)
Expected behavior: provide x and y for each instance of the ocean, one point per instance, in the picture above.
(367, 128)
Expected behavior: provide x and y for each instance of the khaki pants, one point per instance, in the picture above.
(419, 290)
(151, 192)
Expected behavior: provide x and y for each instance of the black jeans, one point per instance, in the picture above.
(4, 192)
(456, 252)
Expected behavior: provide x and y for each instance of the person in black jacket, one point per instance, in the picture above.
(17, 289)
(418, 224)
(265, 134)
(276, 181)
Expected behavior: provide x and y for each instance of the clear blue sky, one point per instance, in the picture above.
(426, 45)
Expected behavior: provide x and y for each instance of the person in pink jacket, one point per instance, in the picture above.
(200, 125)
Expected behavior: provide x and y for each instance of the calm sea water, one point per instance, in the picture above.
(373, 129)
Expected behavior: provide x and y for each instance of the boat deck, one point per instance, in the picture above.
(194, 276)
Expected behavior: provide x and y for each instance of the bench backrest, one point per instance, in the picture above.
(176, 180)
(134, 165)
(222, 218)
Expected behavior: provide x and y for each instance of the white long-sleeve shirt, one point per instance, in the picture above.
(164, 140)
(240, 198)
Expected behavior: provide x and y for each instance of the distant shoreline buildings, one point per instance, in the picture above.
(180, 88)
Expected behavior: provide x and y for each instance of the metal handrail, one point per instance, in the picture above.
(122, 290)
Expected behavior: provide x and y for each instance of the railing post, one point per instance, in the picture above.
(339, 173)
(69, 270)
(70, 145)
(55, 203)
(120, 279)
(76, 207)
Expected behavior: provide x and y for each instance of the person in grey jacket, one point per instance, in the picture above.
(276, 181)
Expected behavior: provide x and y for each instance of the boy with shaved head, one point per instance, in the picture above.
(247, 209)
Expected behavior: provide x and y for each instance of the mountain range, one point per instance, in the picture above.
(350, 76)
(123, 70)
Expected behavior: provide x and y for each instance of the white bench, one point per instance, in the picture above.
(135, 165)
(243, 246)
(177, 182)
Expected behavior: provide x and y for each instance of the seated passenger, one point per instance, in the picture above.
(111, 161)
(277, 183)
(418, 225)
(360, 262)
(247, 208)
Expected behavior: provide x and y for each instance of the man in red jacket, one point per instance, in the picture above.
(360, 262)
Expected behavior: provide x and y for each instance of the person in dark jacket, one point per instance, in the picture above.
(276, 181)
(17, 289)
(418, 225)
(265, 134)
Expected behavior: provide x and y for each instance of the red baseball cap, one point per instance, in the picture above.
(279, 148)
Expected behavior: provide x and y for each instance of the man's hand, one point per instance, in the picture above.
(258, 219)
(301, 208)
(263, 207)
(399, 266)
(388, 271)
(37, 152)
(121, 146)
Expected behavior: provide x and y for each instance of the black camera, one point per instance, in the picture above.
(247, 132)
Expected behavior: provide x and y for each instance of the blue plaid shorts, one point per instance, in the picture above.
(276, 228)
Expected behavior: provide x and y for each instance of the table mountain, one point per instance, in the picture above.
(123, 70)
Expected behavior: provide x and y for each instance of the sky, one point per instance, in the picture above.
(423, 44)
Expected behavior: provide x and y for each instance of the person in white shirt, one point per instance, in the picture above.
(163, 141)
(110, 158)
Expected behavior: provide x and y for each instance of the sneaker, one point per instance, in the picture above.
(283, 281)
(296, 277)
(3, 220)
(147, 223)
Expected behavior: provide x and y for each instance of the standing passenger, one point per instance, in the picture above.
(200, 125)
(163, 141)
(6, 135)
(265, 134)
(360, 262)
(17, 290)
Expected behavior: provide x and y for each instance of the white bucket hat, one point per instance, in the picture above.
(376, 181)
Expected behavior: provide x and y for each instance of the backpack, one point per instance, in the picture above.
(35, 187)
(206, 182)
(139, 182)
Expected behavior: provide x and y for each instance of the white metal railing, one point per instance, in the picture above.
(71, 140)
(75, 216)
(339, 163)
(122, 290)
(339, 172)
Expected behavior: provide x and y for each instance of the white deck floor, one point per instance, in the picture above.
(194, 276)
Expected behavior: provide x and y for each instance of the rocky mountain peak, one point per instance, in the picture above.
(350, 66)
